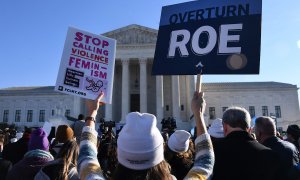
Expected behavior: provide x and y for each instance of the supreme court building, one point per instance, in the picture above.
(135, 89)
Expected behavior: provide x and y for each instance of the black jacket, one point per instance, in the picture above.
(5, 166)
(14, 152)
(287, 153)
(239, 156)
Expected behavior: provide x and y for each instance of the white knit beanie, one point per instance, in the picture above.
(140, 143)
(179, 141)
(216, 129)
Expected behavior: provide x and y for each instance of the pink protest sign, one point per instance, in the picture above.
(87, 65)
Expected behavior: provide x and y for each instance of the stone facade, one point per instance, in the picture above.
(277, 99)
(34, 105)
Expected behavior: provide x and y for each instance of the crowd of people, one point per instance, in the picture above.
(229, 149)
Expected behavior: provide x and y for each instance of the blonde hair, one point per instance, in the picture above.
(69, 154)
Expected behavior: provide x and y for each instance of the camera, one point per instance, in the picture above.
(106, 126)
(110, 124)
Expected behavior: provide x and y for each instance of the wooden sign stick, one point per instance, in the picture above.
(199, 83)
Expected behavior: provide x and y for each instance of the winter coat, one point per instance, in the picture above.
(53, 169)
(14, 152)
(32, 162)
(5, 167)
(77, 128)
(288, 155)
(239, 156)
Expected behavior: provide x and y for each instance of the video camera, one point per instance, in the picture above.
(105, 127)
(109, 124)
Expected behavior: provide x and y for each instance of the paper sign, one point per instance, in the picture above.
(209, 37)
(47, 127)
(87, 65)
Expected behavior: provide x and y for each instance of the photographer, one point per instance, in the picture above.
(107, 147)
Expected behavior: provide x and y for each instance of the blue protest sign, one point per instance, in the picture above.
(209, 37)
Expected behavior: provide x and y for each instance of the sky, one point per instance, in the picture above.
(33, 33)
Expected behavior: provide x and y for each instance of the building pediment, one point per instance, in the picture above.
(133, 34)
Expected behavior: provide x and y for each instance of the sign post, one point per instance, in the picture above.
(199, 83)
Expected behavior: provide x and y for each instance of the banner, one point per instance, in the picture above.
(209, 37)
(87, 65)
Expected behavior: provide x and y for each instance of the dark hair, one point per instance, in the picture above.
(294, 131)
(265, 125)
(237, 117)
(80, 116)
(161, 171)
(69, 154)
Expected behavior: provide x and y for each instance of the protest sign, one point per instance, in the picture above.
(223, 37)
(87, 65)
(47, 127)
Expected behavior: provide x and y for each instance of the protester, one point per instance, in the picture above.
(14, 152)
(107, 153)
(265, 131)
(140, 149)
(177, 153)
(5, 165)
(77, 127)
(293, 134)
(34, 159)
(64, 166)
(148, 165)
(239, 156)
(63, 134)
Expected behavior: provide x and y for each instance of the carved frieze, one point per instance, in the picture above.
(133, 34)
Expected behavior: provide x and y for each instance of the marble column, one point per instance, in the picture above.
(143, 85)
(108, 112)
(175, 98)
(159, 99)
(125, 88)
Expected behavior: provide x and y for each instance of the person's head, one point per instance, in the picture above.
(236, 119)
(293, 132)
(64, 133)
(179, 141)
(140, 147)
(27, 132)
(38, 140)
(80, 117)
(69, 154)
(178, 147)
(264, 128)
